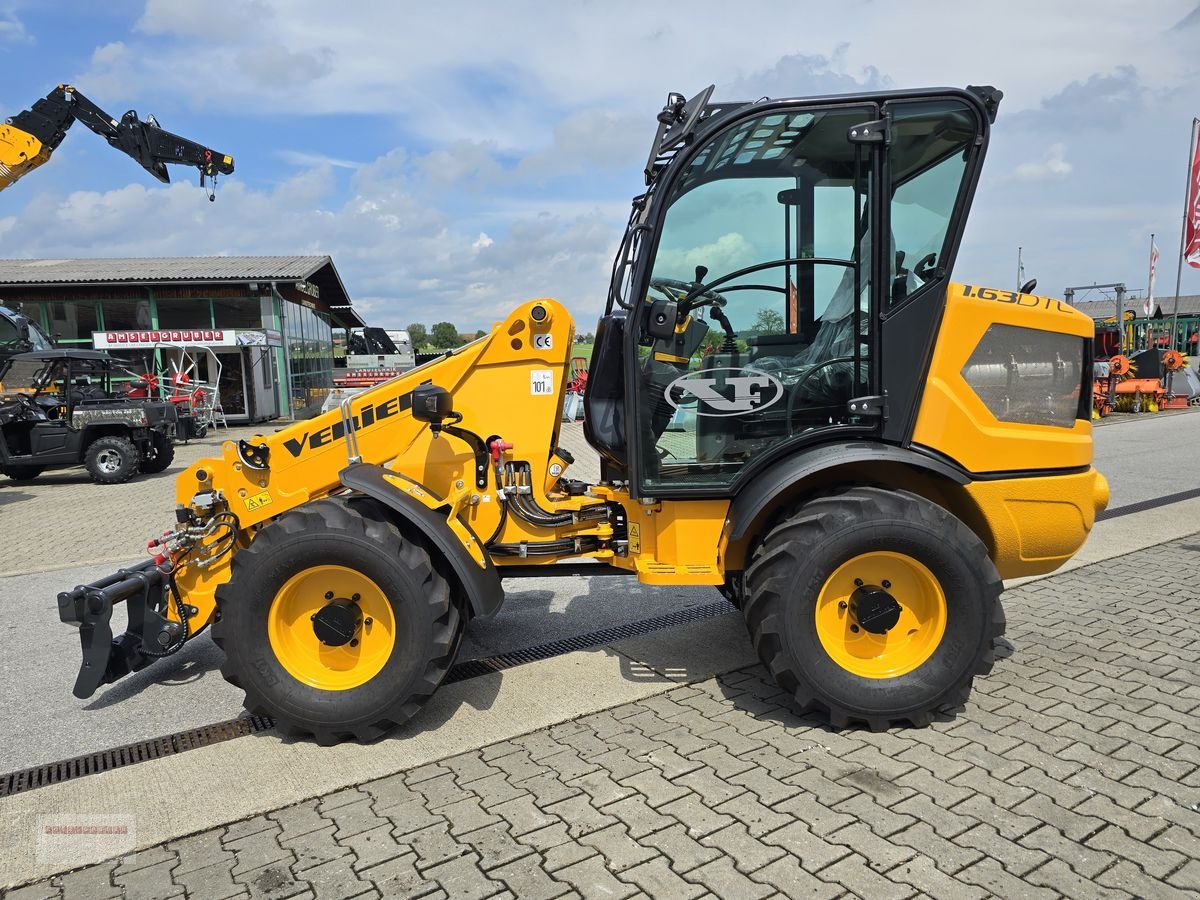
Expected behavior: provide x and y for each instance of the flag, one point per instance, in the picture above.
(1149, 304)
(1191, 225)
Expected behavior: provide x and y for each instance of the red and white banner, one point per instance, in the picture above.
(1191, 224)
(106, 340)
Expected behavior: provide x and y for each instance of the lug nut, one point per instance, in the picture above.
(854, 628)
(329, 595)
(353, 642)
(355, 598)
(368, 620)
(858, 582)
(842, 605)
(886, 584)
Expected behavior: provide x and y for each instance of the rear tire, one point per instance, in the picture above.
(162, 454)
(22, 473)
(802, 606)
(111, 460)
(336, 549)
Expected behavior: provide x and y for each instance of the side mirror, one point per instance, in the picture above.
(660, 323)
(432, 404)
(1028, 287)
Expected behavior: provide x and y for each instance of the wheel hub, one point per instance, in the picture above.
(875, 609)
(336, 623)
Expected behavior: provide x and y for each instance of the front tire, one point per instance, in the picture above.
(874, 606)
(327, 566)
(111, 460)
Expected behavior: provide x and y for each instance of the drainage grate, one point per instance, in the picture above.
(119, 757)
(155, 748)
(1143, 505)
(476, 667)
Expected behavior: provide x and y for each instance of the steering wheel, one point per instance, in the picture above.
(674, 289)
(795, 392)
(926, 267)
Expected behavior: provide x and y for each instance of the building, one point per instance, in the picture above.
(266, 321)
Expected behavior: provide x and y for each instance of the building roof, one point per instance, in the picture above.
(1189, 305)
(318, 270)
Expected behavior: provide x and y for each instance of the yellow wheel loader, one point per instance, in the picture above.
(791, 403)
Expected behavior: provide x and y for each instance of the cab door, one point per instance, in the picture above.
(764, 261)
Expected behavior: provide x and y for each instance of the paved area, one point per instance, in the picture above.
(1073, 771)
(63, 518)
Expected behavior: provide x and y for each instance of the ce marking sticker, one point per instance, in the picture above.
(543, 342)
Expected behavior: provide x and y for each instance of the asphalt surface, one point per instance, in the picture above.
(39, 657)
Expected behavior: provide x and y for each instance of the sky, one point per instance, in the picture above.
(455, 159)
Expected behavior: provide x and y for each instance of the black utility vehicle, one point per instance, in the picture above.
(59, 408)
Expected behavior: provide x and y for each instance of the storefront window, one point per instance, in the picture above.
(189, 313)
(310, 350)
(126, 315)
(73, 323)
(237, 312)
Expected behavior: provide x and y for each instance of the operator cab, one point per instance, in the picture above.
(752, 304)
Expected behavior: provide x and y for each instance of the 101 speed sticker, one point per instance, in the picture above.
(541, 382)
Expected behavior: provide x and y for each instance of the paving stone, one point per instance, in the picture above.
(1087, 861)
(683, 742)
(758, 819)
(542, 839)
(148, 883)
(922, 874)
(826, 790)
(946, 823)
(462, 879)
(720, 877)
(1186, 878)
(682, 851)
(786, 875)
(657, 879)
(619, 764)
(352, 818)
(495, 846)
(568, 764)
(601, 788)
(1010, 824)
(880, 819)
(853, 873)
(547, 789)
(656, 789)
(1142, 828)
(274, 881)
(947, 855)
(747, 852)
(992, 877)
(721, 761)
(1127, 877)
(581, 817)
(142, 859)
(522, 815)
(820, 819)
(42, 890)
(711, 788)
(200, 851)
(695, 816)
(258, 849)
(880, 853)
(377, 845)
(1073, 825)
(467, 815)
(299, 819)
(1015, 857)
(766, 787)
(442, 790)
(1156, 861)
(212, 882)
(434, 845)
(619, 850)
(314, 848)
(528, 880)
(592, 879)
(1059, 877)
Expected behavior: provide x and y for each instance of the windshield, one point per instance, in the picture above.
(38, 339)
(27, 376)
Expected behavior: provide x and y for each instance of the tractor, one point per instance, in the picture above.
(865, 450)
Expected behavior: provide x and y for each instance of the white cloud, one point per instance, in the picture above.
(1051, 166)
(12, 30)
(482, 241)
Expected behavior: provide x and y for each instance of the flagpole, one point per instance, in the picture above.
(1187, 193)
(1149, 305)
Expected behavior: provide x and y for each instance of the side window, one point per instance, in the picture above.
(764, 249)
(930, 142)
(8, 333)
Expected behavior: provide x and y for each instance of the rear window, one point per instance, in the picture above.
(1027, 375)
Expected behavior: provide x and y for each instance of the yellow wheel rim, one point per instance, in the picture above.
(916, 633)
(295, 643)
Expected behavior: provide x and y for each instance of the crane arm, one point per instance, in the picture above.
(29, 138)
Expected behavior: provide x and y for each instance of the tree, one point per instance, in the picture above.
(480, 333)
(418, 335)
(768, 321)
(444, 336)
